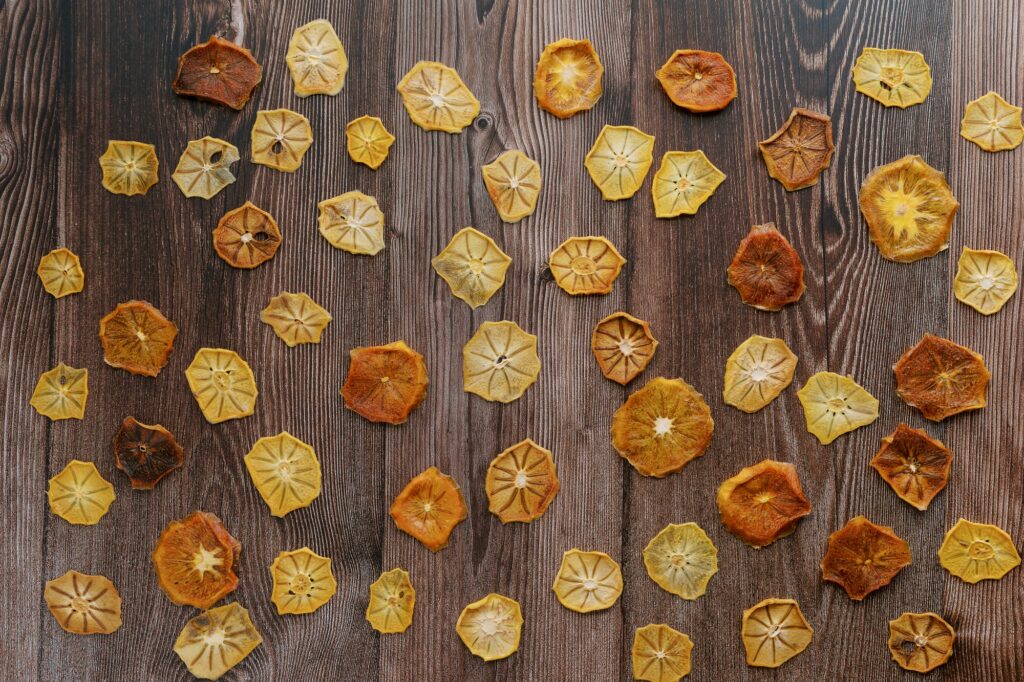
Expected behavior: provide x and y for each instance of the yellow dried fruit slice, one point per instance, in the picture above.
(834, 405)
(295, 318)
(204, 168)
(303, 581)
(587, 581)
(246, 237)
(216, 641)
(915, 465)
(368, 141)
(222, 383)
(137, 337)
(619, 160)
(863, 557)
(992, 123)
(661, 654)
(79, 494)
(195, 559)
(513, 183)
(385, 383)
(500, 362)
(757, 372)
(763, 502)
(978, 551)
(985, 280)
(800, 151)
(521, 482)
(392, 601)
(623, 346)
(490, 628)
(429, 507)
(941, 378)
(61, 273)
(585, 265)
(920, 641)
(218, 71)
(129, 168)
(473, 266)
(84, 604)
(316, 59)
(568, 77)
(774, 631)
(352, 222)
(436, 98)
(61, 393)
(285, 471)
(896, 78)
(697, 80)
(683, 183)
(681, 559)
(766, 270)
(280, 138)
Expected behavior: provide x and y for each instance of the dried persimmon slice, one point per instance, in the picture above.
(285, 471)
(368, 141)
(316, 59)
(303, 581)
(834, 405)
(992, 123)
(84, 604)
(295, 318)
(280, 139)
(521, 482)
(218, 71)
(985, 280)
(246, 237)
(217, 640)
(513, 183)
(61, 273)
(568, 77)
(585, 265)
(222, 383)
(392, 602)
(145, 452)
(896, 78)
(61, 393)
(698, 81)
(204, 168)
(623, 346)
(757, 372)
(429, 507)
(385, 383)
(978, 551)
(920, 641)
(490, 628)
(763, 502)
(619, 160)
(352, 222)
(798, 153)
(79, 494)
(587, 581)
(473, 266)
(941, 378)
(436, 98)
(915, 465)
(681, 559)
(863, 557)
(660, 654)
(137, 337)
(194, 560)
(766, 270)
(129, 168)
(500, 362)
(774, 631)
(683, 183)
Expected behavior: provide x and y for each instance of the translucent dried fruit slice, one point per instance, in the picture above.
(757, 372)
(763, 502)
(513, 183)
(473, 266)
(623, 346)
(586, 265)
(766, 270)
(146, 452)
(978, 551)
(129, 168)
(368, 141)
(587, 581)
(392, 601)
(61, 273)
(909, 209)
(436, 98)
(521, 482)
(222, 383)
(698, 81)
(79, 494)
(194, 560)
(429, 508)
(84, 604)
(137, 337)
(216, 641)
(285, 471)
(896, 78)
(683, 183)
(985, 280)
(280, 138)
(801, 150)
(863, 557)
(352, 222)
(61, 393)
(204, 168)
(295, 318)
(385, 383)
(681, 558)
(661, 427)
(316, 59)
(568, 77)
(246, 237)
(619, 160)
(774, 631)
(661, 654)
(500, 362)
(834, 405)
(303, 581)
(920, 641)
(915, 465)
(218, 71)
(490, 628)
(992, 123)
(941, 378)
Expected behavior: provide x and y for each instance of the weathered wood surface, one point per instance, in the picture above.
(75, 74)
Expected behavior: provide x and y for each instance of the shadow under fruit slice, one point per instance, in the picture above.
(303, 581)
(698, 81)
(429, 508)
(660, 654)
(757, 372)
(915, 465)
(681, 559)
(623, 346)
(863, 557)
(79, 494)
(490, 628)
(521, 482)
(137, 337)
(619, 160)
(587, 581)
(222, 384)
(385, 383)
(985, 280)
(585, 265)
(61, 393)
(763, 502)
(500, 362)
(436, 98)
(766, 270)
(834, 405)
(216, 641)
(513, 183)
(392, 601)
(800, 151)
(129, 168)
(896, 78)
(316, 59)
(84, 604)
(473, 266)
(61, 273)
(285, 471)
(920, 641)
(218, 71)
(568, 77)
(280, 139)
(368, 141)
(246, 237)
(774, 631)
(194, 560)
(145, 453)
(683, 183)
(941, 378)
(978, 551)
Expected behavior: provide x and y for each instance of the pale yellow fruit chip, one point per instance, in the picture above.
(436, 98)
(681, 559)
(587, 581)
(513, 183)
(473, 266)
(774, 631)
(490, 628)
(285, 471)
(352, 222)
(683, 183)
(368, 141)
(61, 273)
(295, 318)
(316, 59)
(896, 78)
(280, 138)
(586, 265)
(129, 168)
(757, 372)
(521, 482)
(985, 280)
(61, 393)
(978, 551)
(204, 168)
(500, 362)
(222, 383)
(303, 581)
(834, 405)
(392, 602)
(992, 123)
(619, 160)
(661, 654)
(79, 494)
(84, 604)
(216, 641)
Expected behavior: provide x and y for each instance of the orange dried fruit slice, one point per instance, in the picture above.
(316, 59)
(368, 141)
(766, 270)
(352, 222)
(585, 265)
(915, 465)
(218, 71)
(568, 77)
(985, 280)
(246, 237)
(216, 641)
(978, 551)
(145, 452)
(587, 581)
(681, 559)
(490, 628)
(757, 372)
(429, 507)
(84, 604)
(623, 346)
(303, 581)
(660, 654)
(683, 183)
(500, 362)
(896, 78)
(834, 405)
(774, 631)
(61, 393)
(941, 378)
(473, 266)
(137, 337)
(513, 183)
(295, 318)
(662, 426)
(194, 560)
(698, 81)
(863, 557)
(920, 641)
(129, 168)
(79, 494)
(436, 98)
(521, 482)
(222, 383)
(619, 160)
(385, 383)
(285, 471)
(798, 153)
(909, 209)
(992, 123)
(763, 502)
(280, 139)
(392, 601)
(204, 168)
(61, 273)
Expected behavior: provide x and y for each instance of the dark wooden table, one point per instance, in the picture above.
(75, 74)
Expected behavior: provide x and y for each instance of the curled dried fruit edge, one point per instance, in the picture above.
(895, 78)
(218, 71)
(585, 265)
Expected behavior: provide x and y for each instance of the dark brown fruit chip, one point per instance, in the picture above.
(218, 71)
(145, 452)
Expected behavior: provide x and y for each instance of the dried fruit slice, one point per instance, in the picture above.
(280, 138)
(216, 641)
(473, 266)
(129, 168)
(79, 494)
(285, 471)
(490, 628)
(204, 168)
(941, 378)
(766, 270)
(194, 560)
(698, 81)
(429, 507)
(896, 78)
(145, 452)
(661, 427)
(683, 183)
(587, 581)
(915, 465)
(763, 502)
(137, 337)
(218, 71)
(568, 77)
(392, 600)
(801, 150)
(316, 59)
(863, 557)
(352, 222)
(303, 581)
(61, 273)
(909, 209)
(385, 383)
(295, 318)
(513, 183)
(436, 98)
(985, 280)
(920, 641)
(978, 551)
(992, 123)
(521, 482)
(619, 160)
(222, 383)
(368, 141)
(661, 654)
(500, 362)
(585, 265)
(84, 604)
(774, 631)
(757, 372)
(623, 346)
(246, 237)
(834, 405)
(681, 558)
(61, 393)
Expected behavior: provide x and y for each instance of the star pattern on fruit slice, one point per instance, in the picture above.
(915, 465)
(774, 631)
(84, 604)
(194, 560)
(863, 557)
(978, 551)
(204, 168)
(660, 654)
(146, 452)
(763, 502)
(920, 641)
(368, 141)
(473, 266)
(992, 123)
(500, 362)
(385, 383)
(61, 393)
(619, 160)
(766, 270)
(941, 378)
(79, 494)
(985, 280)
(216, 641)
(218, 71)
(568, 77)
(490, 628)
(129, 168)
(295, 318)
(681, 559)
(137, 337)
(280, 139)
(697, 80)
(683, 183)
(896, 78)
(521, 482)
(834, 405)
(303, 581)
(798, 153)
(246, 237)
(61, 273)
(392, 602)
(285, 471)
(352, 222)
(587, 581)
(316, 59)
(222, 383)
(513, 183)
(436, 98)
(585, 265)
(756, 373)
(429, 508)
(623, 346)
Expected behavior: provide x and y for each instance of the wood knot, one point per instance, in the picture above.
(483, 122)
(7, 152)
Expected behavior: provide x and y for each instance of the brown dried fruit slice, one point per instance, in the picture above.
(568, 77)
(303, 581)
(222, 383)
(992, 123)
(920, 641)
(681, 559)
(79, 494)
(392, 601)
(84, 604)
(896, 78)
(429, 507)
(978, 551)
(280, 138)
(585, 265)
(623, 346)
(295, 318)
(513, 183)
(194, 560)
(216, 641)
(61, 273)
(941, 378)
(863, 557)
(985, 280)
(137, 337)
(915, 465)
(129, 168)
(316, 59)
(763, 502)
(834, 405)
(774, 631)
(766, 270)
(204, 168)
(801, 150)
(473, 266)
(660, 654)
(587, 581)
(619, 160)
(352, 222)
(490, 628)
(285, 471)
(218, 71)
(385, 383)
(61, 393)
(757, 372)
(683, 183)
(246, 237)
(368, 141)
(436, 98)
(698, 81)
(500, 362)
(146, 452)
(521, 482)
